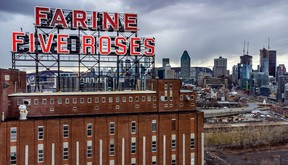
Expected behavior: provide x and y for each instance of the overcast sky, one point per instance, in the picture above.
(205, 28)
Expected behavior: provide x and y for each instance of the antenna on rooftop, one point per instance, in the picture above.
(244, 48)
(268, 43)
(247, 48)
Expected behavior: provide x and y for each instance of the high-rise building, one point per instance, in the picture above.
(185, 65)
(155, 126)
(268, 62)
(165, 61)
(220, 67)
(245, 71)
(282, 87)
(281, 70)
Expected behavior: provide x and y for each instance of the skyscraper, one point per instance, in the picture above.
(281, 70)
(185, 65)
(165, 61)
(245, 70)
(220, 67)
(268, 62)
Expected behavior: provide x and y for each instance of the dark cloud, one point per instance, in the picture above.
(205, 28)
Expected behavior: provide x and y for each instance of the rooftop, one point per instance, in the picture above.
(81, 93)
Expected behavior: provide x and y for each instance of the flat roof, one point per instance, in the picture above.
(126, 92)
(185, 91)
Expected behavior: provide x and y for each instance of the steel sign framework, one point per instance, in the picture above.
(85, 62)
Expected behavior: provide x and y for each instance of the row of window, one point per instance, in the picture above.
(89, 149)
(89, 129)
(96, 100)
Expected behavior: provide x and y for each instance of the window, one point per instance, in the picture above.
(13, 156)
(52, 109)
(192, 104)
(44, 101)
(89, 149)
(65, 131)
(154, 144)
(74, 100)
(166, 86)
(173, 161)
(117, 99)
(171, 105)
(133, 161)
(154, 98)
(154, 160)
(67, 100)
(143, 98)
(59, 101)
(82, 100)
(89, 129)
(40, 154)
(110, 99)
(173, 124)
(96, 107)
(123, 99)
(181, 97)
(112, 128)
(136, 105)
(103, 99)
(40, 132)
(65, 151)
(111, 147)
(133, 145)
(192, 97)
(154, 126)
(133, 127)
(35, 101)
(51, 101)
(89, 100)
(181, 104)
(13, 134)
(96, 100)
(130, 99)
(192, 141)
(173, 142)
(148, 98)
(166, 105)
(137, 98)
(117, 107)
(74, 108)
(154, 105)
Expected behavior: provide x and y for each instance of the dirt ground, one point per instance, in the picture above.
(277, 155)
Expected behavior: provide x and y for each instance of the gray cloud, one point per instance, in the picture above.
(205, 28)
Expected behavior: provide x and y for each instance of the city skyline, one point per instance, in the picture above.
(201, 27)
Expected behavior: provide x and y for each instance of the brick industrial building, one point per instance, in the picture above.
(157, 126)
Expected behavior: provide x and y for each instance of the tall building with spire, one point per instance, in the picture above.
(185, 65)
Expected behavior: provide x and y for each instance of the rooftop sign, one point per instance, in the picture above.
(69, 43)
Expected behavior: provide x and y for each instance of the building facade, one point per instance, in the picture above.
(281, 70)
(159, 125)
(165, 61)
(245, 71)
(185, 65)
(220, 67)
